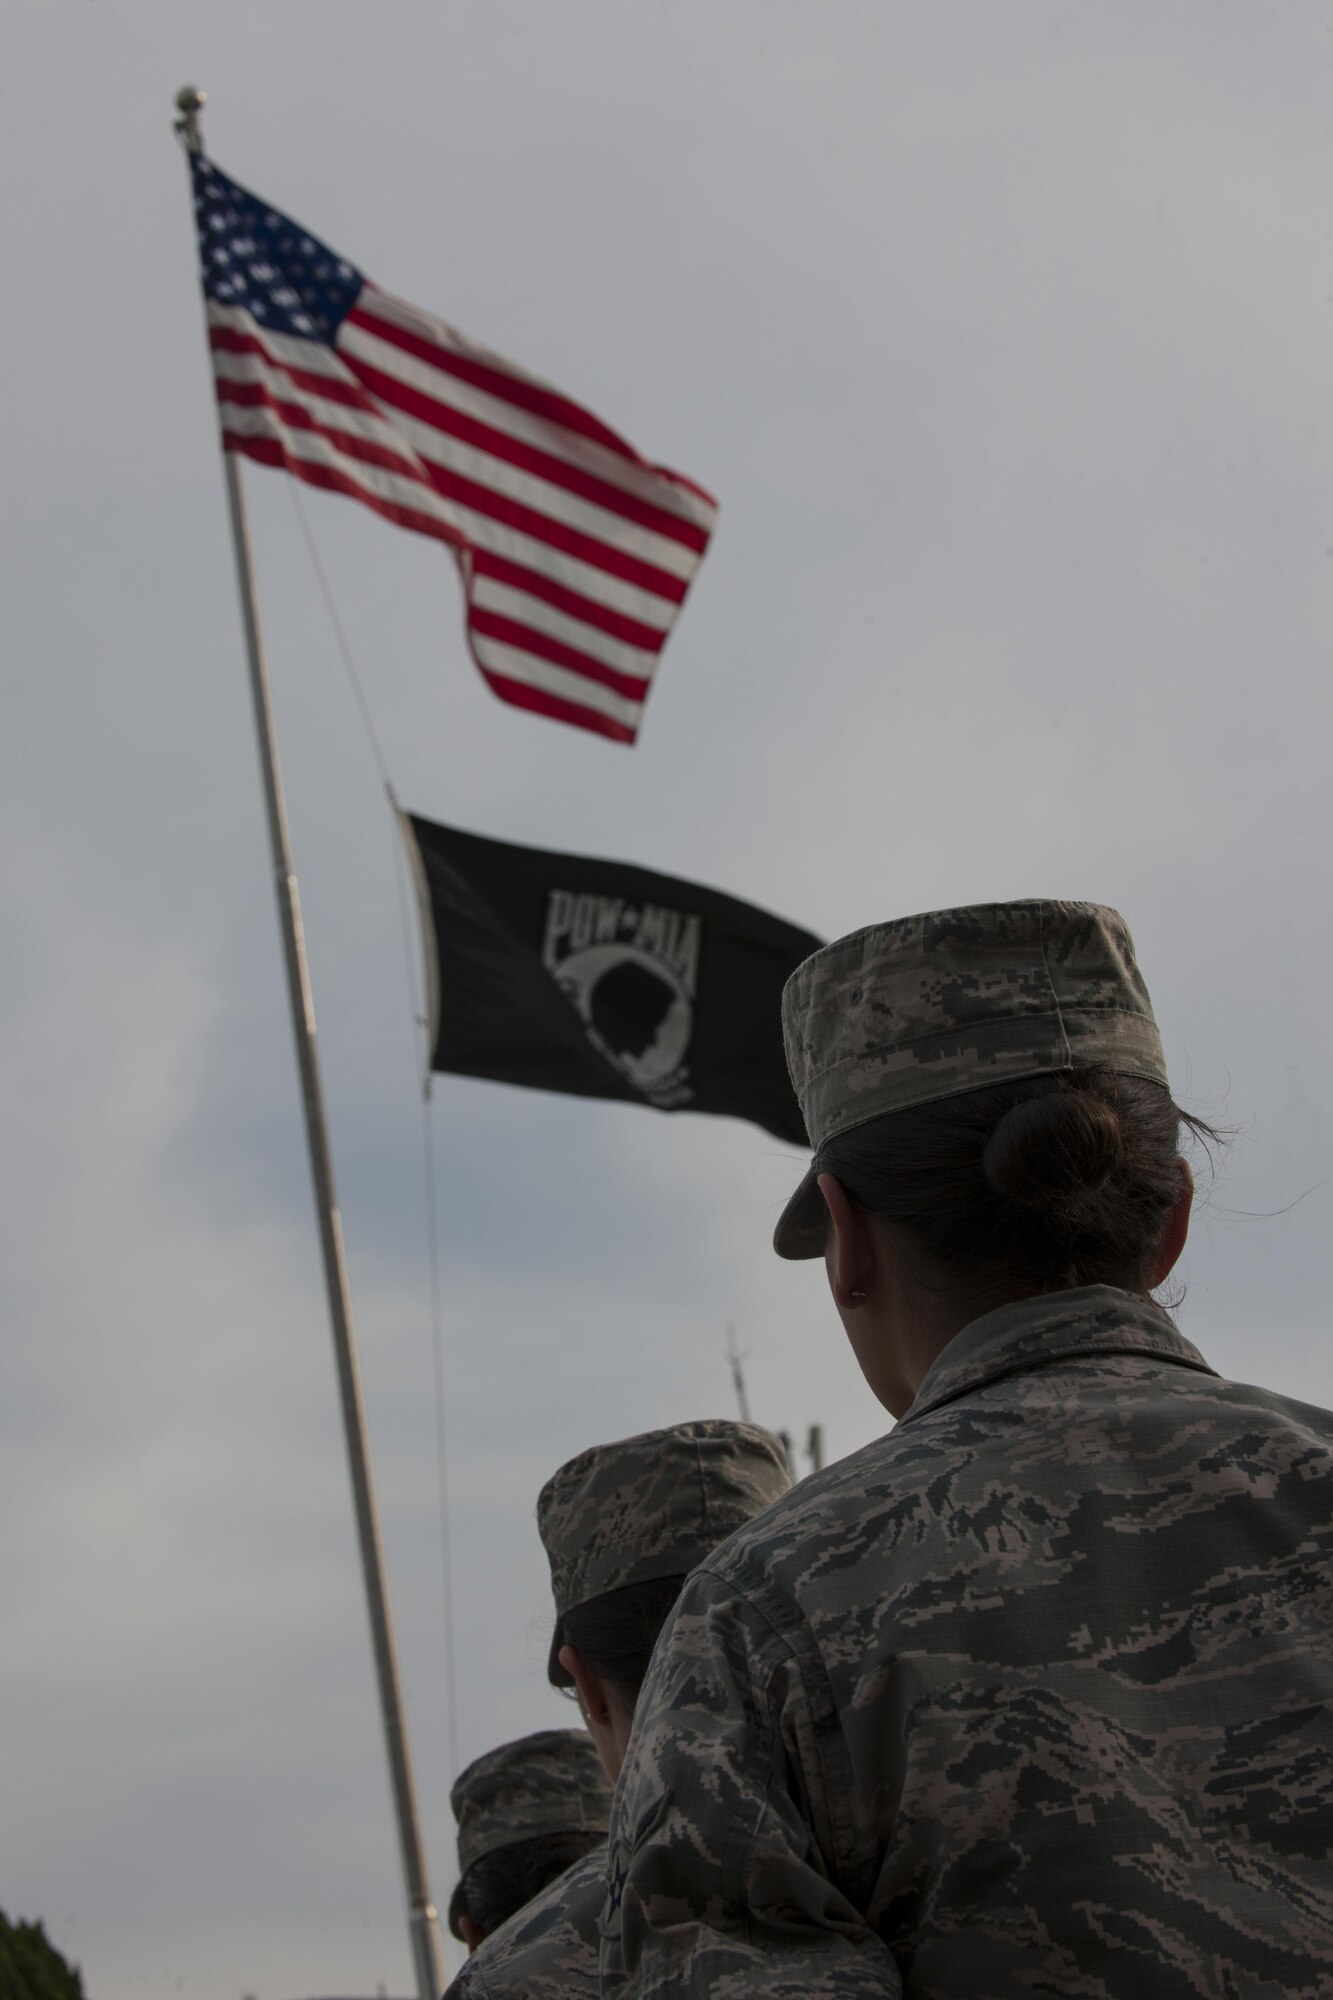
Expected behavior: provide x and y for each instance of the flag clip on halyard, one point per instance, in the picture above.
(575, 553)
(423, 1924)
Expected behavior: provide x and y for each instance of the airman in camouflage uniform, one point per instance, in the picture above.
(620, 1514)
(650, 1506)
(549, 1950)
(548, 1783)
(1035, 1695)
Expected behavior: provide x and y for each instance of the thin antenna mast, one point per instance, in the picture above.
(737, 1360)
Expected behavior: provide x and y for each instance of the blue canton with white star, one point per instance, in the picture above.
(257, 259)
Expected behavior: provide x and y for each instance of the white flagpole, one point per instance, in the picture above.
(423, 1922)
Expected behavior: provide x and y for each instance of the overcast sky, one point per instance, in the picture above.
(1003, 336)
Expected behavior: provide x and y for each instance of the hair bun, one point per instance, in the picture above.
(1049, 1151)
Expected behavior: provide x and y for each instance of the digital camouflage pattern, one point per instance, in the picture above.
(549, 1782)
(549, 1950)
(651, 1506)
(642, 1508)
(927, 1007)
(1032, 1697)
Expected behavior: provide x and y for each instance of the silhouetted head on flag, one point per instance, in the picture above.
(628, 1005)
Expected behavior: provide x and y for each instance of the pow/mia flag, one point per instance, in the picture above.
(603, 980)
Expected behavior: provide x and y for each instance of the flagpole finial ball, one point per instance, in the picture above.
(189, 103)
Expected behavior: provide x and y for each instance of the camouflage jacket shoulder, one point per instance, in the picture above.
(1037, 1688)
(548, 1950)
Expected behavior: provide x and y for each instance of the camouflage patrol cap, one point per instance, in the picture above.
(928, 1007)
(550, 1782)
(651, 1506)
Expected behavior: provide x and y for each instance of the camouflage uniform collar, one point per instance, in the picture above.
(1058, 1326)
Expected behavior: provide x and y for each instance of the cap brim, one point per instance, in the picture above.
(803, 1223)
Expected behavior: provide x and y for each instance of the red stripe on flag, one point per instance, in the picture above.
(526, 639)
(400, 395)
(524, 395)
(520, 695)
(258, 395)
(271, 451)
(556, 534)
(334, 388)
(485, 562)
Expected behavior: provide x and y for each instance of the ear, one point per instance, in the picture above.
(849, 1257)
(608, 1729)
(1176, 1229)
(593, 1698)
(473, 1934)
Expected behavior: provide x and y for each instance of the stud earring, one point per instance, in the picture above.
(856, 1297)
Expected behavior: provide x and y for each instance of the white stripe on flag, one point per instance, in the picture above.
(644, 605)
(512, 665)
(290, 350)
(477, 529)
(489, 594)
(436, 447)
(645, 482)
(328, 415)
(313, 448)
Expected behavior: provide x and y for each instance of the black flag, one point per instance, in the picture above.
(603, 980)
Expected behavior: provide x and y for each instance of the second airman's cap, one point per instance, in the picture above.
(549, 1782)
(651, 1506)
(927, 1007)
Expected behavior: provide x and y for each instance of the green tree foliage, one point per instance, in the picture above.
(30, 1966)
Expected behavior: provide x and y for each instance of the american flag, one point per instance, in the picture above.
(575, 554)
